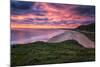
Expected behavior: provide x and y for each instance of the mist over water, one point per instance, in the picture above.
(28, 36)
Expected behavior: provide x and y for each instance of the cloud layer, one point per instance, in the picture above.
(51, 13)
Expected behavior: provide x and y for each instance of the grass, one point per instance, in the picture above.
(50, 53)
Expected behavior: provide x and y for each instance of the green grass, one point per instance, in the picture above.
(50, 53)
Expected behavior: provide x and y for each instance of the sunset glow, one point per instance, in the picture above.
(46, 15)
(31, 26)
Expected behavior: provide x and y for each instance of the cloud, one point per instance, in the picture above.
(20, 7)
(51, 13)
(85, 10)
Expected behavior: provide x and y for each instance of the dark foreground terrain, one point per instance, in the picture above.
(50, 53)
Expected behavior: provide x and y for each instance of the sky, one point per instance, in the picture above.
(50, 15)
(39, 21)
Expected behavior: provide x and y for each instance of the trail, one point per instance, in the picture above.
(73, 35)
(52, 36)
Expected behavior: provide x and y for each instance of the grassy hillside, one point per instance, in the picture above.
(50, 53)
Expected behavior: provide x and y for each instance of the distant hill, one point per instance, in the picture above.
(90, 27)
